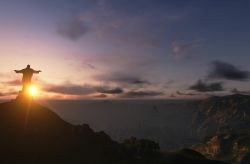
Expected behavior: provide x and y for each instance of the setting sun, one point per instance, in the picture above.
(33, 90)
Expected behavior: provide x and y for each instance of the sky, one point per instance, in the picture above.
(126, 49)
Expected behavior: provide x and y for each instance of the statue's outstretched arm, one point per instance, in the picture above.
(37, 71)
(19, 71)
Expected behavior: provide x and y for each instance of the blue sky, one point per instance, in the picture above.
(126, 48)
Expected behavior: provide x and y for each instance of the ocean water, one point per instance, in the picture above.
(164, 121)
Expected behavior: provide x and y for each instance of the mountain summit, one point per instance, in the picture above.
(31, 133)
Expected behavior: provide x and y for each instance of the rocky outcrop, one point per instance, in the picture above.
(220, 114)
(233, 147)
(222, 124)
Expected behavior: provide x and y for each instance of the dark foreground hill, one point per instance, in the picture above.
(31, 133)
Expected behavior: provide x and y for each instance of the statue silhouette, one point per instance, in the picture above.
(27, 76)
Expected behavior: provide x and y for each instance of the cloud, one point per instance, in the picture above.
(71, 89)
(88, 65)
(8, 93)
(100, 96)
(236, 91)
(139, 94)
(5, 75)
(201, 86)
(108, 21)
(185, 94)
(13, 82)
(107, 90)
(169, 82)
(223, 70)
(172, 95)
(180, 49)
(121, 78)
(72, 28)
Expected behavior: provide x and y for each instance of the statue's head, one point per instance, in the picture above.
(28, 66)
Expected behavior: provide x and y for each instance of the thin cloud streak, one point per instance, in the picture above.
(180, 49)
(118, 77)
(71, 89)
(141, 94)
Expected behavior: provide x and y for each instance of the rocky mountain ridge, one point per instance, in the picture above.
(223, 123)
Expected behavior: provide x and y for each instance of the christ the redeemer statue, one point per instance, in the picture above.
(27, 76)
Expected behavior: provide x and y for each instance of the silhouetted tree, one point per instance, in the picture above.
(142, 147)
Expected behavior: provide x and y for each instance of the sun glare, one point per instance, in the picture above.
(33, 90)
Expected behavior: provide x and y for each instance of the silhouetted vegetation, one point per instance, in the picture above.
(142, 147)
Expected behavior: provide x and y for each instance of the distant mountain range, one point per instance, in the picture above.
(200, 124)
(31, 133)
